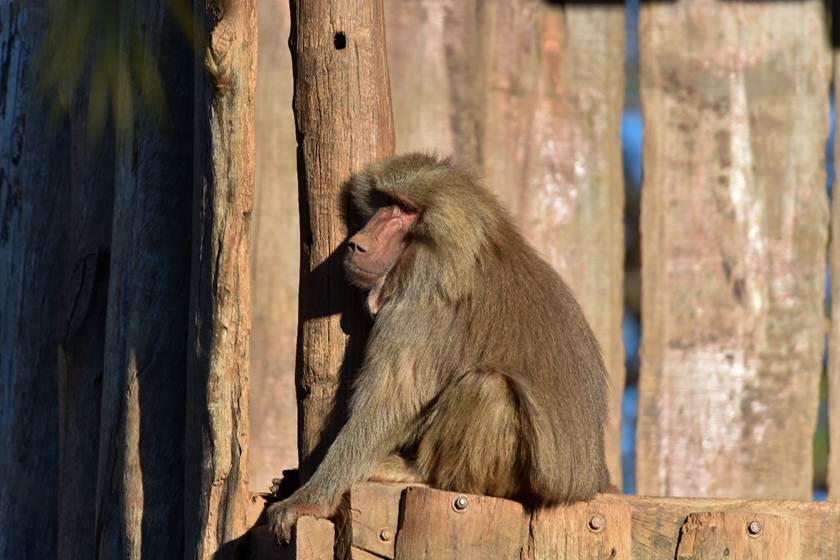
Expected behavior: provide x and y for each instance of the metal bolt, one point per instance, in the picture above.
(754, 528)
(596, 523)
(385, 534)
(460, 504)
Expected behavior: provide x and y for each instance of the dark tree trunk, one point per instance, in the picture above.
(34, 164)
(82, 336)
(217, 389)
(141, 465)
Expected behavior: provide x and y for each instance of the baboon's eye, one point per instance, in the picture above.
(380, 199)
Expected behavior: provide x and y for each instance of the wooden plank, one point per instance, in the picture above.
(745, 536)
(429, 524)
(312, 539)
(438, 525)
(433, 58)
(834, 336)
(581, 531)
(375, 512)
(734, 229)
(657, 522)
(552, 151)
(275, 256)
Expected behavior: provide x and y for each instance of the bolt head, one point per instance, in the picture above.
(596, 523)
(385, 534)
(754, 528)
(461, 503)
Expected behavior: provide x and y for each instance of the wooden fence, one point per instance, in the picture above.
(735, 225)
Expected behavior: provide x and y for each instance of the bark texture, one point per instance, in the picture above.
(216, 501)
(343, 118)
(275, 256)
(141, 458)
(734, 231)
(82, 340)
(34, 162)
(436, 67)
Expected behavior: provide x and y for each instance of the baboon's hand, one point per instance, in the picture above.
(282, 516)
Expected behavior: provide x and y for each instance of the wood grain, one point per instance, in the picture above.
(140, 490)
(435, 63)
(734, 230)
(216, 474)
(551, 149)
(739, 535)
(636, 527)
(581, 531)
(343, 117)
(34, 171)
(432, 526)
(275, 256)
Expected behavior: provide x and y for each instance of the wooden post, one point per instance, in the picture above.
(552, 151)
(343, 116)
(734, 230)
(436, 65)
(275, 256)
(139, 506)
(216, 500)
(82, 342)
(34, 166)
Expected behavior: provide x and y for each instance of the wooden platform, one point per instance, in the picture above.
(412, 523)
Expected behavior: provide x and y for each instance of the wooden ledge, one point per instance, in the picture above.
(400, 522)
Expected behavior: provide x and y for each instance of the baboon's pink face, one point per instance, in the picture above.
(378, 246)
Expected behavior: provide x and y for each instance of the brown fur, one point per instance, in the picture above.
(480, 370)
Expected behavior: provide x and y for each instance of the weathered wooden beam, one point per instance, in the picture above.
(551, 150)
(431, 525)
(734, 230)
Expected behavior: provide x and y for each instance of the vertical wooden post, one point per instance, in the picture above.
(343, 117)
(734, 230)
(34, 166)
(552, 150)
(216, 501)
(275, 256)
(436, 66)
(82, 340)
(140, 476)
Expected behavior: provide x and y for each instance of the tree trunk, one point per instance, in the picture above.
(275, 259)
(734, 230)
(216, 501)
(343, 117)
(82, 340)
(141, 467)
(34, 165)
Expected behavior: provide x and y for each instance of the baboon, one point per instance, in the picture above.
(480, 374)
